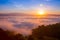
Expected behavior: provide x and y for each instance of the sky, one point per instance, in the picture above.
(29, 6)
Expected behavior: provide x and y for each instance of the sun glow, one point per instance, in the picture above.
(41, 12)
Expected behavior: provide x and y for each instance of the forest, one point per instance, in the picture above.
(48, 32)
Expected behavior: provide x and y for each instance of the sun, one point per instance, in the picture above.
(41, 12)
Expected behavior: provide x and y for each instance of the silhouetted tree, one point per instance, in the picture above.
(19, 37)
(30, 37)
(3, 35)
(52, 31)
(8, 35)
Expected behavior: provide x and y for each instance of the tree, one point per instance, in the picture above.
(49, 31)
(19, 37)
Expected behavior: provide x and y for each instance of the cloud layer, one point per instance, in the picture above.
(24, 24)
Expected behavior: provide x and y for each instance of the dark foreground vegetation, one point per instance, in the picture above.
(49, 32)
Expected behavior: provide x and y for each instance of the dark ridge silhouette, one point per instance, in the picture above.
(48, 32)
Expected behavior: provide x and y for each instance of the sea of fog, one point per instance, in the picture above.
(24, 24)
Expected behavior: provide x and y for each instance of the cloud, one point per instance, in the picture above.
(12, 24)
(24, 24)
(6, 25)
(12, 20)
(18, 5)
(27, 25)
